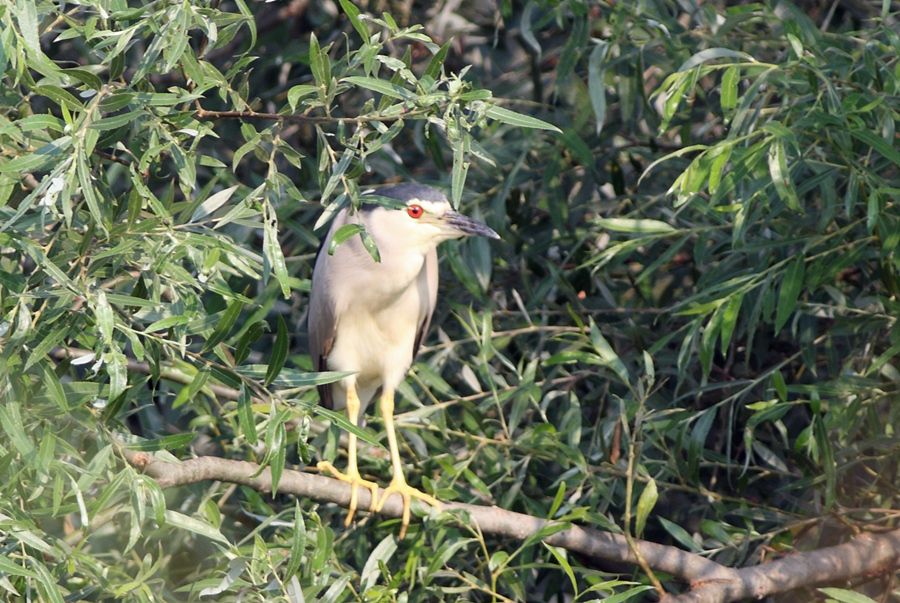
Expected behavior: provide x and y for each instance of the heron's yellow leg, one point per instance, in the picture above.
(398, 483)
(352, 476)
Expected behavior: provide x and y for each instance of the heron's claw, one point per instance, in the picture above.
(355, 480)
(399, 486)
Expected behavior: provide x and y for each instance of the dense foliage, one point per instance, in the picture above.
(688, 331)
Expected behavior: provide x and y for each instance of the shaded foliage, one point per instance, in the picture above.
(688, 332)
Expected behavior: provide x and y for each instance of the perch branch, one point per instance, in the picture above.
(867, 554)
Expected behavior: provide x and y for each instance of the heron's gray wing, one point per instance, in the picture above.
(428, 283)
(322, 322)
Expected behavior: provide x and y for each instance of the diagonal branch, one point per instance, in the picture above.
(866, 555)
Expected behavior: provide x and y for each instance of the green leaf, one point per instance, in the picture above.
(719, 156)
(607, 355)
(711, 54)
(117, 369)
(242, 349)
(879, 144)
(680, 534)
(170, 442)
(560, 555)
(8, 566)
(437, 61)
(379, 556)
(40, 122)
(826, 459)
(54, 387)
(674, 93)
(629, 595)
(11, 422)
(780, 386)
(460, 168)
(641, 226)
(47, 584)
(50, 341)
(319, 63)
(791, 286)
(39, 160)
(223, 326)
(381, 86)
(340, 419)
(357, 23)
(646, 502)
(597, 84)
(167, 323)
(843, 595)
(729, 319)
(188, 392)
(527, 31)
(369, 243)
(290, 377)
(105, 318)
(275, 444)
(337, 174)
(781, 177)
(298, 538)
(245, 416)
(89, 192)
(117, 121)
(557, 500)
(518, 119)
(297, 92)
(213, 203)
(279, 352)
(272, 252)
(343, 233)
(60, 96)
(196, 526)
(729, 92)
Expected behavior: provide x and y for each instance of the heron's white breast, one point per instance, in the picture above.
(379, 312)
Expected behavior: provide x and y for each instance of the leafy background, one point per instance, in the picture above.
(688, 331)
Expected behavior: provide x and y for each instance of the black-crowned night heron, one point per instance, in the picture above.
(370, 318)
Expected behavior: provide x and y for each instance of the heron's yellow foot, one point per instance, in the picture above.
(399, 486)
(355, 480)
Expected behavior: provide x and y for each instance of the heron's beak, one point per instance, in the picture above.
(468, 226)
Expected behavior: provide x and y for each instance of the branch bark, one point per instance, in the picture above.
(868, 554)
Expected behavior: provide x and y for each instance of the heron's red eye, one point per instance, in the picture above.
(415, 211)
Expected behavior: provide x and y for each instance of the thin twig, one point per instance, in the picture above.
(629, 490)
(202, 113)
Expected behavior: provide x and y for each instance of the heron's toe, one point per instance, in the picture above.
(407, 493)
(355, 480)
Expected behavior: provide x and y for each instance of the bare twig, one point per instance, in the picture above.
(633, 453)
(202, 113)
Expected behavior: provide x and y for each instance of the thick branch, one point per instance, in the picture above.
(491, 520)
(865, 555)
(868, 554)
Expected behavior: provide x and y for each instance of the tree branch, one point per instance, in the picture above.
(865, 555)
(205, 114)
